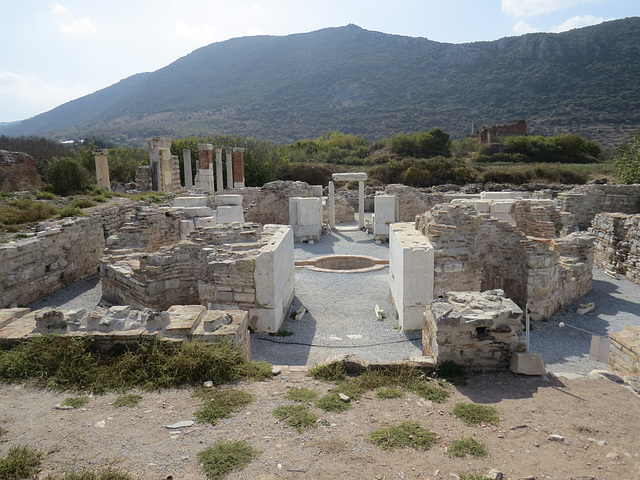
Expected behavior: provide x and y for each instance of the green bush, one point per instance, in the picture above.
(225, 456)
(25, 210)
(128, 400)
(70, 211)
(221, 404)
(297, 416)
(67, 175)
(83, 202)
(467, 446)
(333, 403)
(407, 434)
(19, 463)
(627, 160)
(301, 395)
(472, 414)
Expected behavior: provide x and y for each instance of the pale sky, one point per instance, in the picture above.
(53, 51)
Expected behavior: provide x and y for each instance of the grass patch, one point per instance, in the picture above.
(221, 404)
(389, 392)
(297, 416)
(225, 456)
(75, 402)
(468, 446)
(82, 202)
(332, 403)
(45, 195)
(129, 400)
(331, 372)
(472, 414)
(473, 476)
(74, 364)
(70, 211)
(105, 474)
(430, 392)
(22, 211)
(20, 462)
(302, 395)
(407, 434)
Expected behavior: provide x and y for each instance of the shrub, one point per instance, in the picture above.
(331, 372)
(225, 456)
(83, 202)
(472, 414)
(75, 402)
(44, 195)
(333, 403)
(70, 211)
(297, 416)
(221, 404)
(627, 160)
(105, 474)
(301, 395)
(407, 434)
(129, 400)
(467, 446)
(67, 175)
(21, 462)
(389, 392)
(25, 210)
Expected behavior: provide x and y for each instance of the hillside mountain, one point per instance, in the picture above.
(371, 84)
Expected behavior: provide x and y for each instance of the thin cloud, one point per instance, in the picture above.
(35, 92)
(531, 8)
(577, 22)
(523, 27)
(68, 24)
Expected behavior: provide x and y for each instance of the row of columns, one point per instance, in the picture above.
(205, 176)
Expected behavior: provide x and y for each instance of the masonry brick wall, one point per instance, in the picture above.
(18, 172)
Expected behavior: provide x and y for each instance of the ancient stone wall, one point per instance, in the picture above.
(413, 201)
(246, 267)
(271, 204)
(123, 325)
(617, 244)
(143, 178)
(18, 172)
(475, 252)
(478, 330)
(146, 229)
(580, 205)
(61, 253)
(624, 356)
(537, 218)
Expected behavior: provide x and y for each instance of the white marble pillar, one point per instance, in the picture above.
(188, 175)
(219, 186)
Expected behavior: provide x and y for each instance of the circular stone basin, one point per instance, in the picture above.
(344, 264)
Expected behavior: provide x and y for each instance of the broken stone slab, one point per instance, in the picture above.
(182, 424)
(527, 364)
(344, 398)
(585, 308)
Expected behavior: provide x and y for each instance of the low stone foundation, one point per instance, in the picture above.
(624, 356)
(617, 245)
(123, 325)
(478, 330)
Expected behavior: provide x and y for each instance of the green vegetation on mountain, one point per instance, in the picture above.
(372, 85)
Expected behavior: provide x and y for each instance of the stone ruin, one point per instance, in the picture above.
(18, 172)
(233, 251)
(490, 134)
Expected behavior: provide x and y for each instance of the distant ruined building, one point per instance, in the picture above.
(490, 134)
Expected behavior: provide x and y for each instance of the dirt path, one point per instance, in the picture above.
(599, 419)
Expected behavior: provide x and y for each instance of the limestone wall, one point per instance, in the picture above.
(18, 172)
(475, 252)
(617, 244)
(271, 204)
(246, 267)
(60, 254)
(124, 325)
(143, 177)
(581, 204)
(412, 201)
(478, 330)
(624, 356)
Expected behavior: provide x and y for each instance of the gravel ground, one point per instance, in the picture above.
(565, 349)
(341, 319)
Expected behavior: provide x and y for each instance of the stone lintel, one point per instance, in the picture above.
(101, 151)
(205, 146)
(348, 177)
(159, 142)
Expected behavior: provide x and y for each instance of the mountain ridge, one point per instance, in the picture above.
(284, 88)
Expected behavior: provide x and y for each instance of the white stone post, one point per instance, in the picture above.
(102, 168)
(360, 177)
(332, 206)
(228, 151)
(188, 175)
(219, 186)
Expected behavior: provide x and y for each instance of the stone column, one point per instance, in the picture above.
(156, 146)
(188, 175)
(332, 206)
(238, 167)
(166, 185)
(219, 186)
(360, 204)
(204, 179)
(228, 152)
(102, 168)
